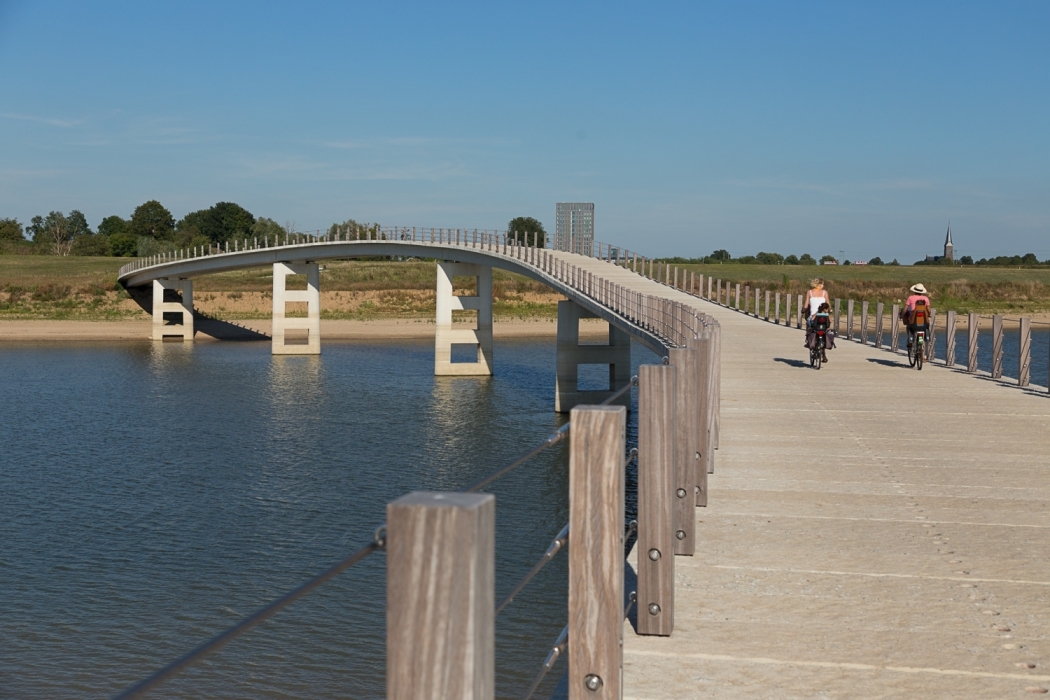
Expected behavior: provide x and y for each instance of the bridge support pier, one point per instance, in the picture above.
(616, 354)
(311, 296)
(172, 297)
(480, 337)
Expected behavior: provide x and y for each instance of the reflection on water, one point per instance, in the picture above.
(155, 493)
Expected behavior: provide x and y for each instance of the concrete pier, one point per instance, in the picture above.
(479, 337)
(306, 332)
(172, 308)
(616, 353)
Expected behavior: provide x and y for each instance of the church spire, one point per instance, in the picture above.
(949, 249)
(948, 239)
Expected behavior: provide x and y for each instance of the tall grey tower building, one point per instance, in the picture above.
(574, 227)
(949, 249)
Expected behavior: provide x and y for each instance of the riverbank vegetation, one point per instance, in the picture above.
(72, 287)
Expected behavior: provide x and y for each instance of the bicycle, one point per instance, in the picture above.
(917, 349)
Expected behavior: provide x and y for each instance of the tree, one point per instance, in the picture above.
(222, 222)
(791, 260)
(966, 260)
(11, 230)
(123, 244)
(152, 220)
(875, 261)
(721, 255)
(92, 244)
(355, 229)
(807, 259)
(769, 258)
(111, 225)
(78, 225)
(846, 262)
(527, 231)
(52, 232)
(895, 263)
(828, 259)
(1029, 259)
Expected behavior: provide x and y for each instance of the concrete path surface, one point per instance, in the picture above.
(872, 532)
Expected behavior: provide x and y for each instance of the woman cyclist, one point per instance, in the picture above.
(814, 298)
(916, 312)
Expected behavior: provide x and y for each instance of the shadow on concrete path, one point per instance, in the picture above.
(889, 363)
(793, 363)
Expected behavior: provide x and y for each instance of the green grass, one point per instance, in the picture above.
(963, 289)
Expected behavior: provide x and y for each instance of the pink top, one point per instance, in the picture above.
(910, 304)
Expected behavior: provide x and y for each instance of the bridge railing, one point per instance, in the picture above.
(441, 606)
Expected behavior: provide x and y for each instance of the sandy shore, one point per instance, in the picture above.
(21, 331)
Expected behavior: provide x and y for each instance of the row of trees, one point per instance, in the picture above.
(1026, 260)
(151, 229)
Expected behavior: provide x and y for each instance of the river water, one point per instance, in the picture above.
(154, 494)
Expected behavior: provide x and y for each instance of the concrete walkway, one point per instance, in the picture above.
(873, 531)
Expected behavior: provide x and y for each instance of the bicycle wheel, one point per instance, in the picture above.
(912, 353)
(815, 360)
(918, 357)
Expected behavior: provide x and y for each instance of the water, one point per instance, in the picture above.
(153, 494)
(1040, 360)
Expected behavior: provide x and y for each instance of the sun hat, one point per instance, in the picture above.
(918, 289)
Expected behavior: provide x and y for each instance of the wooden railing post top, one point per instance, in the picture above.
(446, 499)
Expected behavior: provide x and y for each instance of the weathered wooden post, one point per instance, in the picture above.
(709, 288)
(787, 311)
(972, 330)
(864, 323)
(767, 305)
(736, 297)
(997, 346)
(656, 432)
(837, 316)
(931, 342)
(849, 319)
(895, 328)
(801, 313)
(1024, 355)
(949, 339)
(718, 291)
(879, 309)
(686, 362)
(704, 390)
(440, 592)
(715, 363)
(776, 310)
(758, 302)
(596, 564)
(747, 298)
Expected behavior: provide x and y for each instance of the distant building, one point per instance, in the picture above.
(860, 262)
(574, 227)
(949, 249)
(830, 262)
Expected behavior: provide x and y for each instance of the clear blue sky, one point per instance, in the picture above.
(788, 127)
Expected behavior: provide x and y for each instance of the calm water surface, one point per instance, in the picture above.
(154, 494)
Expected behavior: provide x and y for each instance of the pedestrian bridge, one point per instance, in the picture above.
(604, 283)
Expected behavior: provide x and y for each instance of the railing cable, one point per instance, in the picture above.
(552, 658)
(220, 640)
(554, 439)
(556, 546)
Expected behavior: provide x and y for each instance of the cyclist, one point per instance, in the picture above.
(820, 321)
(916, 312)
(815, 297)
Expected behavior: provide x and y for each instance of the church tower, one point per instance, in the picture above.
(949, 249)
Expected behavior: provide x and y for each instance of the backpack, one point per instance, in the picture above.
(920, 315)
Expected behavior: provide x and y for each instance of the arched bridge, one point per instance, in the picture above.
(597, 280)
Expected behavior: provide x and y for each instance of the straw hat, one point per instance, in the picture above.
(918, 289)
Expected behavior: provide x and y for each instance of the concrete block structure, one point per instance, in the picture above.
(446, 336)
(616, 353)
(172, 297)
(282, 296)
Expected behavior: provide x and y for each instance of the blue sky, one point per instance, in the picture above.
(788, 127)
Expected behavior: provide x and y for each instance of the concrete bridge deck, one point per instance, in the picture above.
(872, 531)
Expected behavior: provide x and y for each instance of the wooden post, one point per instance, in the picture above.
(736, 297)
(895, 328)
(787, 311)
(767, 305)
(931, 342)
(849, 319)
(686, 445)
(1024, 355)
(971, 343)
(879, 309)
(800, 313)
(656, 460)
(837, 301)
(758, 292)
(864, 323)
(596, 564)
(704, 391)
(715, 365)
(776, 309)
(997, 346)
(440, 619)
(949, 339)
(708, 287)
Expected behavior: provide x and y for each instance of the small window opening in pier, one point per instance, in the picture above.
(464, 352)
(296, 336)
(295, 283)
(593, 377)
(173, 318)
(172, 296)
(465, 286)
(466, 316)
(296, 309)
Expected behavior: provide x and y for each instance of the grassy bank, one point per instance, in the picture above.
(963, 289)
(48, 287)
